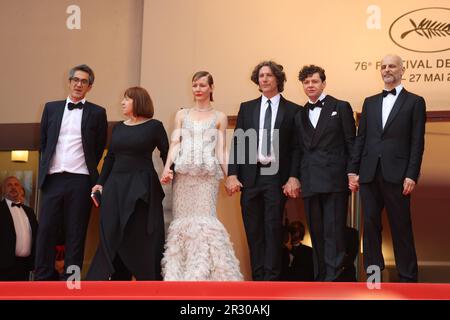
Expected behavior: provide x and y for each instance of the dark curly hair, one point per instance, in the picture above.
(277, 70)
(308, 71)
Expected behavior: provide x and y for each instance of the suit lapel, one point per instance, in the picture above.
(256, 111)
(3, 207)
(280, 113)
(6, 220)
(308, 129)
(277, 126)
(379, 112)
(85, 116)
(397, 106)
(59, 116)
(324, 117)
(255, 116)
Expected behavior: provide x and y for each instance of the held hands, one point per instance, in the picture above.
(97, 187)
(232, 185)
(167, 176)
(292, 188)
(353, 183)
(408, 186)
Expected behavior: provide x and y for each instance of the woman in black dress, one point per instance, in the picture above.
(131, 214)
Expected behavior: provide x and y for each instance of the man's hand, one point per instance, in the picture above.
(353, 183)
(408, 186)
(232, 185)
(292, 188)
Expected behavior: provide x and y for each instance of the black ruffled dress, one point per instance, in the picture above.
(131, 214)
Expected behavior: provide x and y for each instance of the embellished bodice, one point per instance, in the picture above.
(197, 154)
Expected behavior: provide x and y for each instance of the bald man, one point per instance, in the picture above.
(385, 163)
(18, 227)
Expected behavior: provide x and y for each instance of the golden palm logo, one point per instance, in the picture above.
(422, 30)
(429, 29)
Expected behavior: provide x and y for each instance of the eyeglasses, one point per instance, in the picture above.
(84, 82)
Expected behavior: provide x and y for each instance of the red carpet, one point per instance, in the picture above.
(220, 291)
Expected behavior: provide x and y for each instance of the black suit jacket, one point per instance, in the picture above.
(325, 151)
(8, 235)
(93, 130)
(244, 151)
(399, 146)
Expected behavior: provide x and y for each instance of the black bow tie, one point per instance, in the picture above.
(72, 106)
(311, 106)
(385, 92)
(19, 205)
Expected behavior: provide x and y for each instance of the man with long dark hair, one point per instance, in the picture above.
(263, 166)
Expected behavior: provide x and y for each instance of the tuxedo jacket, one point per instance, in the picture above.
(399, 146)
(325, 150)
(8, 235)
(93, 135)
(244, 148)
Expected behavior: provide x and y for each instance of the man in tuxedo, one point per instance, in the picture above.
(262, 165)
(73, 137)
(326, 133)
(386, 164)
(18, 228)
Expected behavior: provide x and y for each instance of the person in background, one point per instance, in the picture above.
(286, 255)
(348, 273)
(18, 229)
(302, 267)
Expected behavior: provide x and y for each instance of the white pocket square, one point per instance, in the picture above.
(333, 113)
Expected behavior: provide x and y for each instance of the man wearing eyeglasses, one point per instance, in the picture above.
(73, 137)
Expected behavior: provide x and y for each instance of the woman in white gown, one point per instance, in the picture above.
(198, 248)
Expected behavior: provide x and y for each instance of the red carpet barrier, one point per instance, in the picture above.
(135, 290)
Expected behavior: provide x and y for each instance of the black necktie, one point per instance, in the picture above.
(19, 205)
(265, 148)
(72, 106)
(311, 106)
(385, 92)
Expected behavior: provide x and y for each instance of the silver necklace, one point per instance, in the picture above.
(203, 110)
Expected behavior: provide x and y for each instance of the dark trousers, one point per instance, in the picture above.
(375, 196)
(20, 271)
(326, 214)
(139, 254)
(121, 272)
(262, 211)
(65, 202)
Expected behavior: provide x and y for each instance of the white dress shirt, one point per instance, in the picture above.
(69, 154)
(23, 230)
(315, 114)
(388, 104)
(274, 102)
